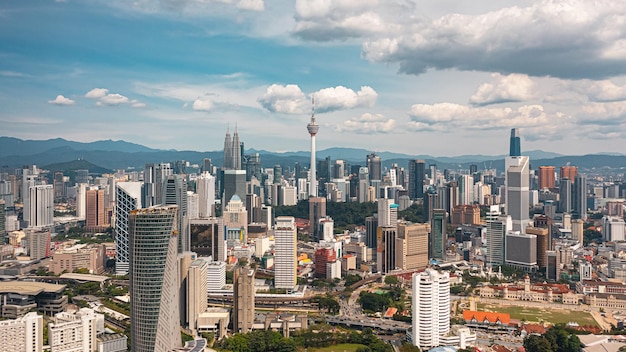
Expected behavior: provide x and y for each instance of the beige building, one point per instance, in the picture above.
(96, 217)
(79, 256)
(75, 331)
(197, 291)
(243, 300)
(23, 334)
(526, 291)
(412, 246)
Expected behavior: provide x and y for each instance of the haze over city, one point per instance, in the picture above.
(419, 77)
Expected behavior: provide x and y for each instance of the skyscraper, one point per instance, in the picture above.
(431, 307)
(438, 235)
(317, 211)
(285, 256)
(375, 167)
(412, 246)
(417, 170)
(153, 274)
(95, 217)
(568, 171)
(228, 152)
(40, 206)
(313, 128)
(386, 248)
(565, 195)
(546, 177)
(497, 227)
(127, 199)
(579, 197)
(243, 299)
(234, 183)
(175, 193)
(153, 177)
(517, 191)
(515, 145)
(205, 187)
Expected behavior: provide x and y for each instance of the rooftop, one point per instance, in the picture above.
(29, 288)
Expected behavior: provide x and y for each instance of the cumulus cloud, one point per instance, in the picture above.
(96, 93)
(61, 100)
(599, 91)
(447, 116)
(567, 39)
(502, 89)
(104, 98)
(290, 99)
(251, 5)
(202, 104)
(368, 124)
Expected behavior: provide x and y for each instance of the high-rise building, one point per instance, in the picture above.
(232, 151)
(386, 248)
(236, 222)
(431, 308)
(153, 274)
(208, 238)
(412, 246)
(175, 193)
(127, 198)
(317, 211)
(438, 234)
(371, 229)
(205, 188)
(96, 216)
(243, 299)
(543, 244)
(375, 167)
(387, 212)
(546, 177)
(81, 200)
(234, 183)
(323, 256)
(515, 144)
(417, 172)
(521, 250)
(59, 184)
(577, 230)
(466, 189)
(497, 227)
(197, 292)
(565, 195)
(38, 243)
(517, 191)
(313, 128)
(23, 334)
(579, 197)
(154, 175)
(40, 206)
(568, 172)
(285, 255)
(3, 226)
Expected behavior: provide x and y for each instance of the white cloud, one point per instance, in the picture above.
(61, 100)
(113, 99)
(502, 89)
(368, 124)
(599, 91)
(96, 93)
(202, 104)
(137, 104)
(290, 99)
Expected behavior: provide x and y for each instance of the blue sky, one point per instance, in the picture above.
(419, 77)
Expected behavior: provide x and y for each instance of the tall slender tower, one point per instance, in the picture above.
(228, 151)
(514, 146)
(236, 151)
(313, 127)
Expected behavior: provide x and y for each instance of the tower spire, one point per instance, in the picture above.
(313, 128)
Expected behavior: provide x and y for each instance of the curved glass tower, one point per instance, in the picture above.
(153, 274)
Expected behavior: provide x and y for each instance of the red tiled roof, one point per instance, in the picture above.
(490, 317)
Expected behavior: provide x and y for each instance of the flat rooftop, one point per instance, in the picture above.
(29, 288)
(85, 277)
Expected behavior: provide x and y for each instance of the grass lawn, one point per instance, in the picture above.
(344, 347)
(535, 314)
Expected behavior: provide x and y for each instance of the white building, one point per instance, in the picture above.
(285, 255)
(127, 198)
(261, 245)
(333, 270)
(75, 332)
(216, 275)
(81, 200)
(613, 228)
(40, 206)
(24, 334)
(197, 291)
(431, 308)
(517, 183)
(326, 229)
(289, 195)
(205, 187)
(192, 205)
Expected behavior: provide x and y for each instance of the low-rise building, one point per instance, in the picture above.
(80, 256)
(531, 292)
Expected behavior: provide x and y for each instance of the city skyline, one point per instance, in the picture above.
(410, 77)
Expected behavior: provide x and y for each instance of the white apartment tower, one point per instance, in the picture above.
(40, 206)
(205, 188)
(517, 191)
(75, 332)
(24, 334)
(431, 308)
(127, 198)
(285, 255)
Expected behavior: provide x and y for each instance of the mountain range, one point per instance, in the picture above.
(112, 155)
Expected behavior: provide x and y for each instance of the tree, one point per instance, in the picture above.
(391, 280)
(537, 343)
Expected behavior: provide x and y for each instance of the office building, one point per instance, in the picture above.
(23, 334)
(497, 228)
(285, 255)
(543, 244)
(577, 230)
(205, 188)
(326, 229)
(515, 148)
(579, 197)
(81, 256)
(613, 229)
(216, 274)
(234, 184)
(127, 198)
(208, 238)
(96, 215)
(386, 248)
(371, 230)
(521, 251)
(175, 193)
(375, 168)
(38, 243)
(154, 282)
(236, 222)
(412, 246)
(565, 195)
(438, 235)
(154, 175)
(465, 215)
(77, 331)
(431, 308)
(232, 151)
(243, 299)
(466, 189)
(323, 256)
(197, 292)
(3, 225)
(317, 211)
(417, 172)
(387, 212)
(517, 191)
